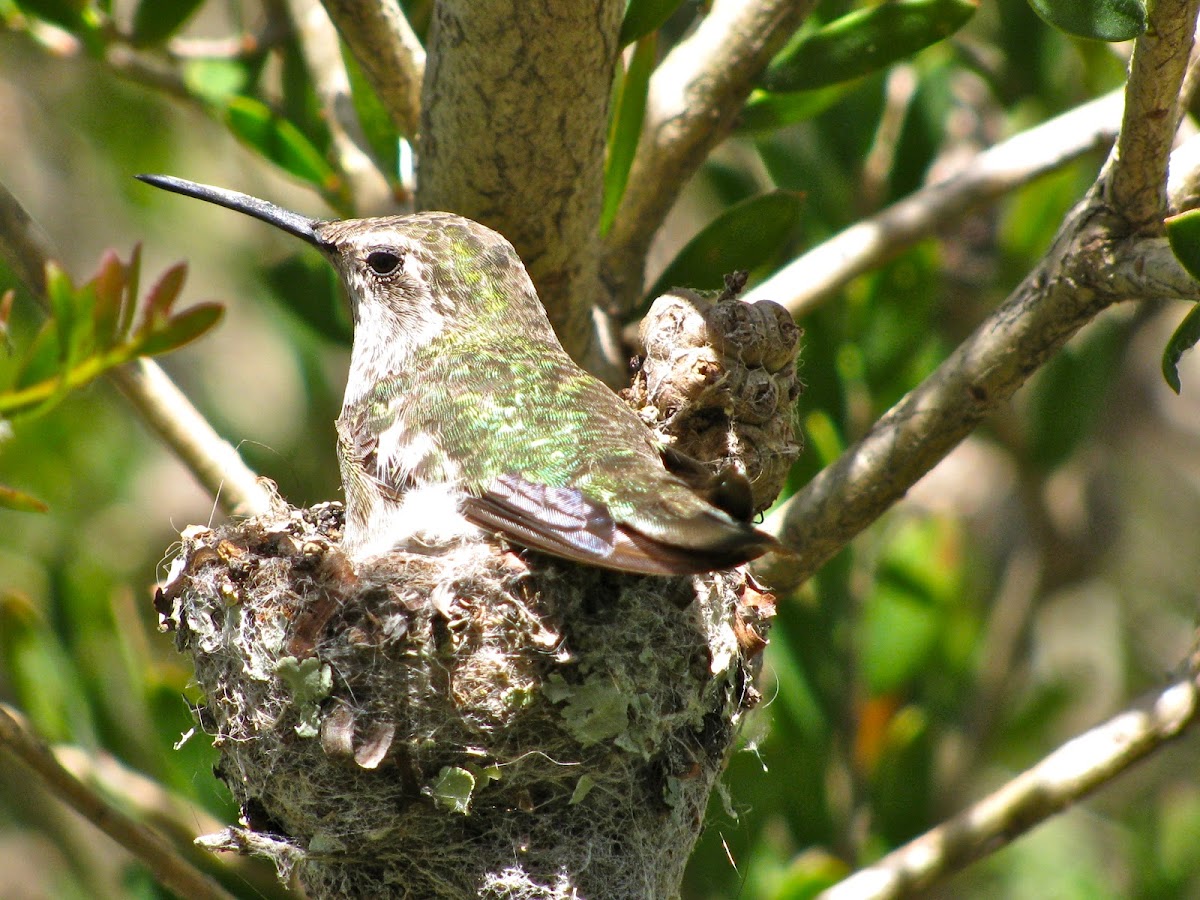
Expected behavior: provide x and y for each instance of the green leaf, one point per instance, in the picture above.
(864, 41)
(642, 17)
(626, 128)
(583, 787)
(309, 289)
(823, 436)
(66, 13)
(11, 498)
(901, 785)
(1185, 337)
(279, 141)
(1183, 233)
(765, 111)
(593, 711)
(901, 631)
(812, 871)
(906, 615)
(41, 674)
(216, 80)
(745, 236)
(72, 311)
(373, 118)
(453, 788)
(61, 295)
(1068, 394)
(82, 339)
(1100, 20)
(41, 360)
(801, 709)
(180, 329)
(80, 342)
(299, 103)
(155, 20)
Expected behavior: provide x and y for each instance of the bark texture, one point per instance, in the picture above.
(526, 155)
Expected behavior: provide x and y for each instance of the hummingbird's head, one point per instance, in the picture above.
(407, 276)
(423, 269)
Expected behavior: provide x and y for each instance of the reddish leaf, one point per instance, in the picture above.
(132, 274)
(109, 284)
(181, 329)
(156, 305)
(6, 305)
(10, 498)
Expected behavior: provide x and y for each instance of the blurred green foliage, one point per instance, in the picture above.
(1039, 581)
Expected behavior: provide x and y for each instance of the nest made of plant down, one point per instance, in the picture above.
(391, 728)
(478, 720)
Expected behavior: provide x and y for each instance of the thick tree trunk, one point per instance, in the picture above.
(513, 127)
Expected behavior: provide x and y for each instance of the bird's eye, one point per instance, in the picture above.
(383, 262)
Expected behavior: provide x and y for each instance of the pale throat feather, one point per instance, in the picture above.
(385, 338)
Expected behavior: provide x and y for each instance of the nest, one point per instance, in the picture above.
(475, 721)
(464, 724)
(718, 381)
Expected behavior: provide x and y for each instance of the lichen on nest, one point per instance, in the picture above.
(460, 723)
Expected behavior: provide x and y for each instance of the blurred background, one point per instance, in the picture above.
(1035, 583)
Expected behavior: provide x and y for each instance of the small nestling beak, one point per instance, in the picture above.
(292, 223)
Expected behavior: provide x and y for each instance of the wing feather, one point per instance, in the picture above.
(567, 523)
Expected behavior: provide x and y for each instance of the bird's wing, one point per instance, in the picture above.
(565, 522)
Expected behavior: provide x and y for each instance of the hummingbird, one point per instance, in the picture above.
(464, 416)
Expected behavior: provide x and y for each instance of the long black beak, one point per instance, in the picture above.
(292, 223)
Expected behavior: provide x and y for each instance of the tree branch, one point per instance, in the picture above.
(1137, 182)
(805, 283)
(694, 98)
(389, 52)
(1066, 776)
(1096, 260)
(1088, 268)
(318, 42)
(176, 818)
(526, 157)
(211, 459)
(169, 868)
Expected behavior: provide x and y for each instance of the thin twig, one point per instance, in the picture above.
(1137, 182)
(140, 68)
(1066, 776)
(169, 868)
(214, 462)
(389, 52)
(693, 101)
(805, 283)
(318, 42)
(178, 819)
